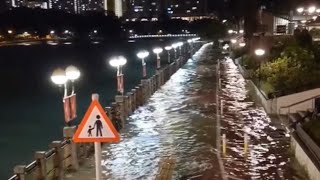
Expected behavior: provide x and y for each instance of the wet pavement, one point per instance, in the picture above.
(180, 122)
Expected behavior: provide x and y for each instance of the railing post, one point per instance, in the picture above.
(40, 157)
(134, 100)
(68, 133)
(57, 161)
(144, 90)
(20, 170)
(129, 103)
(121, 108)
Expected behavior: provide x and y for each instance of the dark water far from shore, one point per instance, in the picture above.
(31, 112)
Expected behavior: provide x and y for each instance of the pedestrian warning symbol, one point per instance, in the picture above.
(96, 126)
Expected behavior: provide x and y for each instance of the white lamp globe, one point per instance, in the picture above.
(190, 40)
(312, 9)
(259, 52)
(157, 50)
(168, 48)
(233, 41)
(180, 44)
(114, 62)
(242, 44)
(175, 45)
(143, 54)
(72, 73)
(59, 77)
(122, 60)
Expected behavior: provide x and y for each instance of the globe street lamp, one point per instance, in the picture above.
(168, 49)
(72, 74)
(175, 46)
(118, 62)
(142, 55)
(259, 52)
(242, 44)
(180, 44)
(60, 77)
(300, 10)
(312, 9)
(157, 51)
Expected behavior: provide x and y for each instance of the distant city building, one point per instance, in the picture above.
(186, 9)
(91, 5)
(70, 6)
(36, 4)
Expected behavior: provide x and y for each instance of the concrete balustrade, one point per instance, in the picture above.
(67, 155)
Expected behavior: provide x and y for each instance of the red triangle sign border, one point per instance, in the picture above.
(86, 117)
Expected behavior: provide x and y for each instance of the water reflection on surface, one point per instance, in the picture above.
(175, 123)
(268, 151)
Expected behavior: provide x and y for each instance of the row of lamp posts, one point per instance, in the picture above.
(62, 77)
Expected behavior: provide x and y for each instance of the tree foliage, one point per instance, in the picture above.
(295, 70)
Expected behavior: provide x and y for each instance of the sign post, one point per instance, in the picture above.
(96, 127)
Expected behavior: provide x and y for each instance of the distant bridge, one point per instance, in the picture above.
(162, 36)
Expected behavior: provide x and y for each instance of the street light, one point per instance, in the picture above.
(10, 31)
(180, 44)
(242, 44)
(175, 46)
(72, 74)
(118, 62)
(233, 41)
(157, 51)
(312, 9)
(259, 52)
(142, 55)
(168, 49)
(300, 9)
(230, 31)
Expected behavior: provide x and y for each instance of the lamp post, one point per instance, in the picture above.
(168, 49)
(259, 52)
(157, 51)
(60, 77)
(175, 46)
(180, 44)
(190, 41)
(142, 55)
(118, 62)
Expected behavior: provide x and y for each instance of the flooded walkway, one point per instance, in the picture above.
(180, 122)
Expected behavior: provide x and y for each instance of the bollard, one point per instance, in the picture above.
(129, 103)
(40, 157)
(224, 145)
(162, 77)
(154, 84)
(222, 102)
(57, 161)
(157, 79)
(245, 149)
(134, 99)
(68, 133)
(220, 87)
(20, 170)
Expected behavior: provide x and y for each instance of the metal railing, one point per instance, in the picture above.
(297, 103)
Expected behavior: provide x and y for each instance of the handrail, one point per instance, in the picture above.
(294, 104)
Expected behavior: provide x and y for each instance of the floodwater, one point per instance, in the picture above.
(180, 122)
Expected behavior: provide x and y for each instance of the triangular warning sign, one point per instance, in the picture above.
(96, 126)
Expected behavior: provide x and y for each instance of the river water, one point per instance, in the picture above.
(31, 111)
(180, 122)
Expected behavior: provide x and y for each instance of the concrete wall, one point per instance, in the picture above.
(304, 160)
